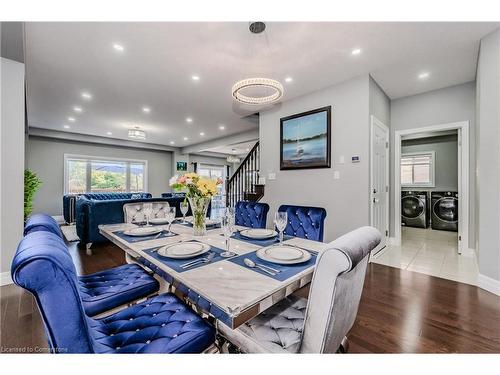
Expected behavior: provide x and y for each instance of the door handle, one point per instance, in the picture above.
(375, 200)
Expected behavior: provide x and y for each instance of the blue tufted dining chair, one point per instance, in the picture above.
(320, 323)
(42, 222)
(304, 222)
(251, 214)
(105, 290)
(162, 324)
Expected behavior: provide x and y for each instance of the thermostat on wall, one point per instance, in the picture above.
(355, 159)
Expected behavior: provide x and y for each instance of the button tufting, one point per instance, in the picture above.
(147, 342)
(118, 348)
(137, 330)
(154, 314)
(131, 319)
(163, 325)
(174, 336)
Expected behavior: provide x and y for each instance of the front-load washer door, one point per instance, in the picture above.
(412, 207)
(446, 209)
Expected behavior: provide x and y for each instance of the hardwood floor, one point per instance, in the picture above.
(400, 312)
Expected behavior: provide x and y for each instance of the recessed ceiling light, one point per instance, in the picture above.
(189, 119)
(202, 134)
(185, 138)
(66, 126)
(86, 95)
(77, 109)
(146, 109)
(72, 119)
(172, 142)
(288, 79)
(118, 47)
(222, 127)
(195, 77)
(423, 75)
(109, 133)
(356, 51)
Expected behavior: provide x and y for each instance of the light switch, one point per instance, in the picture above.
(336, 175)
(341, 159)
(271, 176)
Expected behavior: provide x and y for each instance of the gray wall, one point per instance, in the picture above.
(11, 162)
(346, 199)
(488, 157)
(45, 156)
(380, 104)
(451, 104)
(446, 159)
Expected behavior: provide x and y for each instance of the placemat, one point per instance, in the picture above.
(176, 264)
(287, 270)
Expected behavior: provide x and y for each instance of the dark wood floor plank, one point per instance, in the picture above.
(400, 311)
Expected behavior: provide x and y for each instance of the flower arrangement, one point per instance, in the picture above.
(195, 185)
(199, 191)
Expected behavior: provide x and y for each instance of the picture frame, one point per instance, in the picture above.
(305, 140)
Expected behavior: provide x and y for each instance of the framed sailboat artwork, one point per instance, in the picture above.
(306, 140)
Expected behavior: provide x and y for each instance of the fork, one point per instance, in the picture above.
(207, 259)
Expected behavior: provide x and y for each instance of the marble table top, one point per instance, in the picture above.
(237, 292)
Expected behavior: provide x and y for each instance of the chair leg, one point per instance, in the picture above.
(344, 346)
(88, 250)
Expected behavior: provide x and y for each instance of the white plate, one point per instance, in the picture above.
(183, 250)
(207, 221)
(283, 254)
(258, 234)
(158, 221)
(142, 231)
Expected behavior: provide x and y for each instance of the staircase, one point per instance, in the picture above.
(244, 183)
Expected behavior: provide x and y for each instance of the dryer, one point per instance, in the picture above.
(415, 209)
(444, 206)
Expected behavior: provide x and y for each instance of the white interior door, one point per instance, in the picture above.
(379, 180)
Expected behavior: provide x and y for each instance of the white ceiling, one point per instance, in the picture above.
(159, 59)
(238, 149)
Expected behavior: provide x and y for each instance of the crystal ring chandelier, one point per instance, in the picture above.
(266, 83)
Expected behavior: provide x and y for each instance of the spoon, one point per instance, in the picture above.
(251, 264)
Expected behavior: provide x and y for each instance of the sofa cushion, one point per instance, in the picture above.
(103, 291)
(162, 324)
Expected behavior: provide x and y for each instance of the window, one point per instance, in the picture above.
(417, 169)
(84, 174)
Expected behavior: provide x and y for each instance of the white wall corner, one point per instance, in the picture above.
(489, 284)
(5, 279)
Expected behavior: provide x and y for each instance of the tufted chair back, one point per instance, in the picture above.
(110, 196)
(43, 266)
(135, 211)
(305, 222)
(42, 222)
(336, 290)
(251, 214)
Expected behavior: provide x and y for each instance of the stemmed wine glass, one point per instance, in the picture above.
(228, 228)
(170, 217)
(147, 210)
(184, 209)
(280, 220)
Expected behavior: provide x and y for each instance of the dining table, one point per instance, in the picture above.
(226, 289)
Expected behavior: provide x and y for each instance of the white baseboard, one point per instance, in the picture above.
(489, 284)
(5, 278)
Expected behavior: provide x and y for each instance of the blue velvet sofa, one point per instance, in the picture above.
(92, 211)
(69, 201)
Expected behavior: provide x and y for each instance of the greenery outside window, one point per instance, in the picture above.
(87, 174)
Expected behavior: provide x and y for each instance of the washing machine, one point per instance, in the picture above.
(415, 209)
(444, 205)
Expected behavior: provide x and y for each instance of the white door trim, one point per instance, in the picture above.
(463, 183)
(373, 121)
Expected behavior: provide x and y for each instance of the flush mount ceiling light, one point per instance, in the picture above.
(137, 133)
(257, 85)
(233, 159)
(423, 75)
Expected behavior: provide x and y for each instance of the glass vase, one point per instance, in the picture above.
(199, 208)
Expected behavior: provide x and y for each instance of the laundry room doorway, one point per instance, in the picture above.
(431, 203)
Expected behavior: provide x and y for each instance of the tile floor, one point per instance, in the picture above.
(430, 252)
